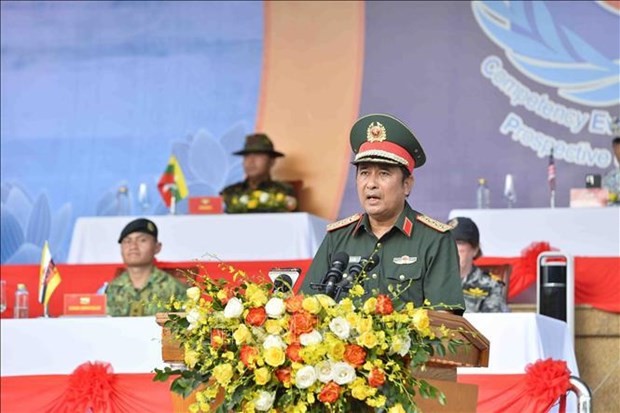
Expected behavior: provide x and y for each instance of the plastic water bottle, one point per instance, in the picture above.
(483, 195)
(21, 302)
(122, 201)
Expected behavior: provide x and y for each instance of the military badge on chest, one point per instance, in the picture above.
(404, 260)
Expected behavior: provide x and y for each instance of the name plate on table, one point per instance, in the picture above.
(85, 304)
(205, 205)
(588, 197)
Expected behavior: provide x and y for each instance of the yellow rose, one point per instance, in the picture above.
(311, 304)
(252, 204)
(191, 358)
(325, 300)
(397, 409)
(256, 295)
(421, 320)
(370, 305)
(273, 326)
(223, 373)
(242, 334)
(368, 339)
(279, 197)
(364, 325)
(336, 350)
(262, 376)
(274, 356)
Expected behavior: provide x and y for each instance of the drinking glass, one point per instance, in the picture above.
(2, 296)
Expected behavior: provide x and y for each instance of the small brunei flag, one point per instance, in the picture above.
(172, 182)
(49, 277)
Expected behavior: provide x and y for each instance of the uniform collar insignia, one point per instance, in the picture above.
(407, 227)
(405, 259)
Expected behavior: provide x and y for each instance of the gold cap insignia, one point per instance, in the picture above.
(376, 132)
(150, 227)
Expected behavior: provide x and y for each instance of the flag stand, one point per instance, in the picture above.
(173, 204)
(552, 200)
(46, 313)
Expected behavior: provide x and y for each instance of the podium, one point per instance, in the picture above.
(440, 371)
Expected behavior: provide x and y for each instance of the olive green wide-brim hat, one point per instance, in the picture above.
(382, 138)
(258, 143)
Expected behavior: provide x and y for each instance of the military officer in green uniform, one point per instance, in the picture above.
(418, 260)
(483, 292)
(142, 289)
(258, 192)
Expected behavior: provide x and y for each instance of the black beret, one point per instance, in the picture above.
(464, 229)
(139, 225)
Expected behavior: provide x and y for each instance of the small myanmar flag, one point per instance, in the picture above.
(49, 277)
(172, 182)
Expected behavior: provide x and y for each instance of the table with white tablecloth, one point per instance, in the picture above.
(132, 345)
(234, 237)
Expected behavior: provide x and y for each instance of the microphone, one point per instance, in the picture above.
(364, 264)
(283, 283)
(334, 274)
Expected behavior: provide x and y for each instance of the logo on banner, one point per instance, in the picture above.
(546, 43)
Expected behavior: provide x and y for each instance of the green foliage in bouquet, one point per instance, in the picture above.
(288, 353)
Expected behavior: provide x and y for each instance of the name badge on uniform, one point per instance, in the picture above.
(405, 259)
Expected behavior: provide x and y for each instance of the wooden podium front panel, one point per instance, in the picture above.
(460, 398)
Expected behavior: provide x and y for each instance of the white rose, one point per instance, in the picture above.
(275, 307)
(244, 199)
(264, 400)
(192, 318)
(324, 371)
(274, 341)
(308, 339)
(400, 345)
(305, 377)
(344, 373)
(340, 327)
(263, 197)
(193, 293)
(234, 308)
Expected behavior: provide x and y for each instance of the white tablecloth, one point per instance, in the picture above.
(242, 237)
(577, 231)
(132, 345)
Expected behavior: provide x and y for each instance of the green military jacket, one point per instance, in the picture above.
(417, 256)
(270, 196)
(123, 299)
(483, 292)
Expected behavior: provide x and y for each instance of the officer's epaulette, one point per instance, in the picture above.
(433, 223)
(343, 222)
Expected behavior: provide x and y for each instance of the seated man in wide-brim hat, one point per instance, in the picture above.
(258, 192)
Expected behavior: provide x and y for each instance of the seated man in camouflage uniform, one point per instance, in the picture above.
(483, 292)
(258, 192)
(142, 289)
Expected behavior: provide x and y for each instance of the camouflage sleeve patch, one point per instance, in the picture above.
(433, 223)
(343, 222)
(496, 278)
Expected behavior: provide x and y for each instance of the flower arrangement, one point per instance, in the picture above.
(273, 351)
(260, 201)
